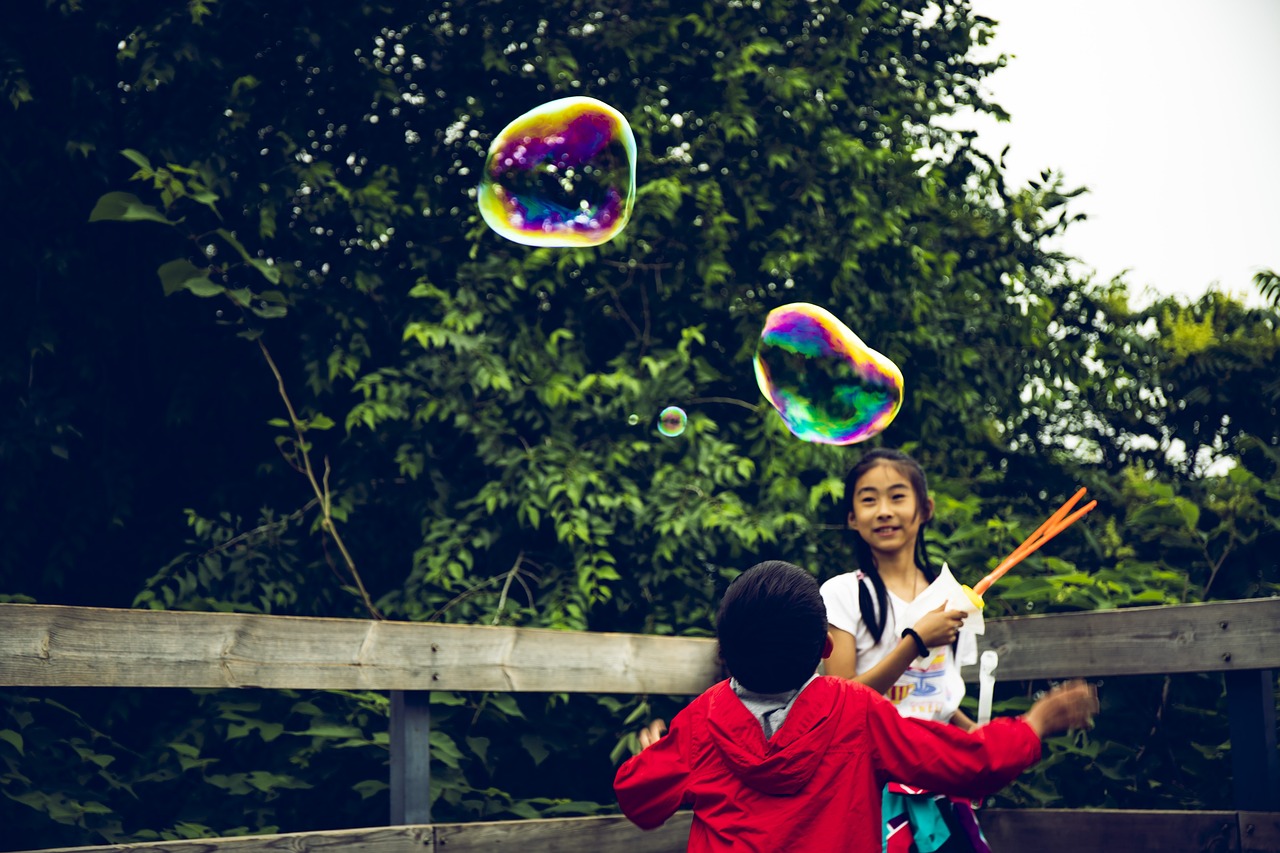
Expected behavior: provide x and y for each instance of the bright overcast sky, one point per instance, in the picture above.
(1169, 111)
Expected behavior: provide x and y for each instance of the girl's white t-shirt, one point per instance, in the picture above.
(931, 688)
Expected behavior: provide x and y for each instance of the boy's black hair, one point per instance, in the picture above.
(772, 627)
(875, 616)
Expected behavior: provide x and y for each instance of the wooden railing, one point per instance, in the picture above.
(57, 646)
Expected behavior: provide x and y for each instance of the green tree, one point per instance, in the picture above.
(287, 369)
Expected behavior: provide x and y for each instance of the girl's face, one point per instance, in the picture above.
(886, 511)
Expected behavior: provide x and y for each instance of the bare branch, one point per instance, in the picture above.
(322, 492)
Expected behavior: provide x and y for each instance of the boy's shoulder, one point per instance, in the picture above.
(824, 691)
(845, 688)
(825, 695)
(829, 696)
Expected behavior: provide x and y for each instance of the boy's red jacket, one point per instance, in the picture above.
(816, 784)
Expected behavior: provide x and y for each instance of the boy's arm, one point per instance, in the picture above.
(939, 757)
(944, 759)
(652, 784)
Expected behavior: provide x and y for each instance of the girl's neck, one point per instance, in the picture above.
(897, 565)
(901, 575)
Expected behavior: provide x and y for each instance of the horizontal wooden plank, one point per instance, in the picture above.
(1042, 830)
(559, 835)
(1210, 637)
(1112, 830)
(386, 839)
(61, 646)
(1260, 832)
(570, 835)
(55, 645)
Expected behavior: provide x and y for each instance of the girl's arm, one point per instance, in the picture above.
(844, 659)
(935, 629)
(962, 721)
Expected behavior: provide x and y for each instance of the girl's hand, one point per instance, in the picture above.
(939, 627)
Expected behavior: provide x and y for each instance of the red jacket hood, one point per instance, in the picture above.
(783, 764)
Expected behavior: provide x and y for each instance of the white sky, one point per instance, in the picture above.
(1169, 111)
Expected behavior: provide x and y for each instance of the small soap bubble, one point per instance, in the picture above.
(828, 386)
(633, 420)
(563, 174)
(671, 421)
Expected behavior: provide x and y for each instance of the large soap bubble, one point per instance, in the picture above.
(828, 386)
(671, 421)
(563, 174)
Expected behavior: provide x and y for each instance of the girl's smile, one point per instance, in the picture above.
(885, 509)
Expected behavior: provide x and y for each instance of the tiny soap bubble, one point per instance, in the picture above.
(562, 174)
(671, 421)
(828, 386)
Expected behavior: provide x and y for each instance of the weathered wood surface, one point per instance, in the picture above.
(563, 835)
(1211, 637)
(1129, 831)
(1260, 832)
(571, 835)
(61, 646)
(387, 839)
(1041, 830)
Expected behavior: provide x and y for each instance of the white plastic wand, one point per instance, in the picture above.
(986, 684)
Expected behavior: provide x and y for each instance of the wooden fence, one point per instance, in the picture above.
(57, 646)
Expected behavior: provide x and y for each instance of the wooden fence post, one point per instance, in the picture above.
(1251, 711)
(410, 757)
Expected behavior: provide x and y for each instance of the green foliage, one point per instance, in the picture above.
(463, 428)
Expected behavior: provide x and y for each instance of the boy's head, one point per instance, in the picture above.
(772, 626)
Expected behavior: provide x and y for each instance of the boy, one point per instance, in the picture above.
(777, 758)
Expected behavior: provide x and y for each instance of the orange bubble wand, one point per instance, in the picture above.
(1052, 526)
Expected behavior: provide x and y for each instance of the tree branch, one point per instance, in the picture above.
(321, 491)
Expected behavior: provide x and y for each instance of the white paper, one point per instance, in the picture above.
(946, 590)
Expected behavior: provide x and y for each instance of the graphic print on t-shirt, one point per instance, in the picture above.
(898, 692)
(921, 691)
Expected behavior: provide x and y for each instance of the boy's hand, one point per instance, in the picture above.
(649, 734)
(1067, 706)
(939, 627)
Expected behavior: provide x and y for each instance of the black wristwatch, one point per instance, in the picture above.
(920, 646)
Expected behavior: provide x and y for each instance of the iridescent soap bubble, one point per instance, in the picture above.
(828, 386)
(671, 421)
(563, 174)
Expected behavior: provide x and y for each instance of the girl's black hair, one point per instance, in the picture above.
(876, 616)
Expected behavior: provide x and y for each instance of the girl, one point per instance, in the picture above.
(917, 666)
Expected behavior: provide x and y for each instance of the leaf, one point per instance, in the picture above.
(1190, 512)
(138, 159)
(535, 746)
(480, 746)
(184, 275)
(506, 703)
(126, 207)
(12, 738)
(234, 243)
(369, 787)
(330, 730)
(270, 272)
